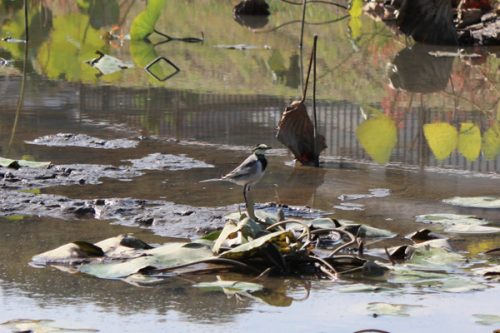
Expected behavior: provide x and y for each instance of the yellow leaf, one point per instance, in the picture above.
(356, 8)
(491, 142)
(442, 139)
(355, 27)
(469, 141)
(378, 137)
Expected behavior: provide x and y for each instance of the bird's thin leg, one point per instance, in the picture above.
(248, 202)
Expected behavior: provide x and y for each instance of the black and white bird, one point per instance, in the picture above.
(250, 171)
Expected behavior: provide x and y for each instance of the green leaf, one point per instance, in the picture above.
(247, 249)
(387, 309)
(474, 202)
(460, 224)
(487, 319)
(491, 142)
(231, 286)
(69, 253)
(144, 24)
(442, 139)
(356, 8)
(16, 164)
(163, 257)
(469, 141)
(378, 136)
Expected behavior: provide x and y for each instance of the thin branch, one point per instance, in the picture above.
(299, 21)
(316, 1)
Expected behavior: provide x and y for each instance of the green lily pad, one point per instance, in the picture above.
(123, 246)
(363, 230)
(458, 284)
(29, 325)
(16, 164)
(247, 249)
(475, 202)
(460, 224)
(69, 253)
(236, 234)
(362, 288)
(387, 309)
(487, 319)
(230, 286)
(489, 272)
(163, 257)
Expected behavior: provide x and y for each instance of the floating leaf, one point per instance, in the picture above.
(460, 224)
(489, 273)
(69, 253)
(469, 141)
(442, 139)
(230, 286)
(491, 142)
(363, 230)
(458, 284)
(387, 309)
(29, 325)
(16, 164)
(474, 202)
(247, 249)
(160, 258)
(487, 319)
(362, 288)
(123, 246)
(378, 136)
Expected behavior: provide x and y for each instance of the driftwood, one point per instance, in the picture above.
(296, 131)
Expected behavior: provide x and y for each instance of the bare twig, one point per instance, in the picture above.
(316, 1)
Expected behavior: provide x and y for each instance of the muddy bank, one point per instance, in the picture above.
(82, 140)
(21, 195)
(163, 217)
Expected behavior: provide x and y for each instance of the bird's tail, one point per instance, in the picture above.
(211, 180)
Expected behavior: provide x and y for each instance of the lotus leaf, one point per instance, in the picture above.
(387, 309)
(442, 139)
(160, 258)
(491, 142)
(231, 286)
(474, 202)
(16, 164)
(247, 249)
(378, 136)
(469, 141)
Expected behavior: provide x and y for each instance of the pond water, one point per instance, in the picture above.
(435, 137)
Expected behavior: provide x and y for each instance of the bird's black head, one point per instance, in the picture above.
(261, 149)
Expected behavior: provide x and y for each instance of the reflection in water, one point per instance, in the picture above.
(414, 69)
